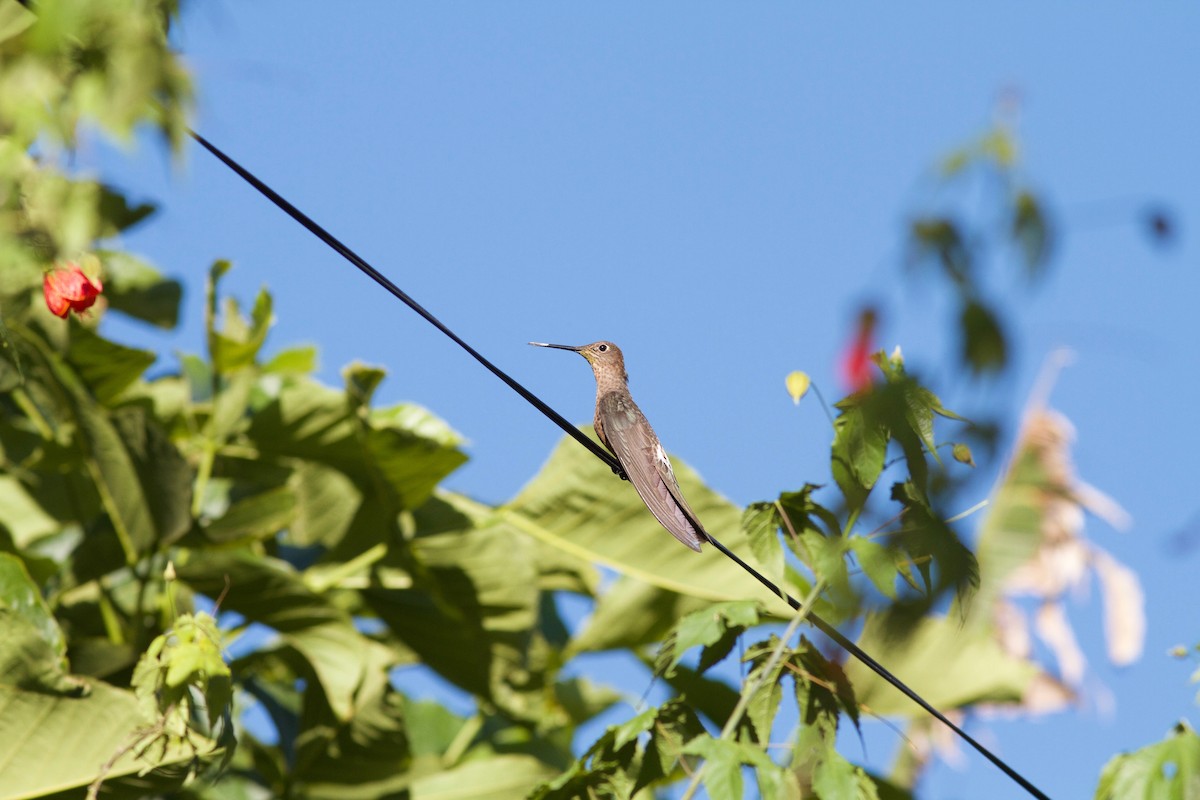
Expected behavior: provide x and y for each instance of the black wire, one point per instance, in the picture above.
(604, 455)
(375, 275)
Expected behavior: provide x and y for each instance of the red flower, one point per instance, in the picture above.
(69, 290)
(855, 364)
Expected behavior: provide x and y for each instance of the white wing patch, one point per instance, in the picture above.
(660, 455)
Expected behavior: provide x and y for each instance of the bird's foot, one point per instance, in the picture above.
(620, 473)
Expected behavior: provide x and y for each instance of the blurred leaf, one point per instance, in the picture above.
(631, 614)
(106, 367)
(325, 504)
(939, 240)
(139, 290)
(298, 360)
(117, 214)
(503, 777)
(1167, 769)
(256, 516)
(1031, 232)
(984, 346)
(877, 563)
(947, 664)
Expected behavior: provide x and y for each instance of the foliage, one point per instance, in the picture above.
(217, 581)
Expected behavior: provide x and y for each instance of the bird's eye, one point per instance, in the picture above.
(602, 348)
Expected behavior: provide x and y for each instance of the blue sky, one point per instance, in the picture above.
(717, 187)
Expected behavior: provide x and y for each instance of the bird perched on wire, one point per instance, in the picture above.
(624, 430)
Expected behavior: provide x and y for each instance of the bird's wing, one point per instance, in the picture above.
(647, 467)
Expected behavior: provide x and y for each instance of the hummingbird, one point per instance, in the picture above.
(625, 431)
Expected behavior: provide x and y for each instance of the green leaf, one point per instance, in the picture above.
(503, 777)
(325, 504)
(712, 625)
(295, 360)
(939, 240)
(117, 214)
(471, 611)
(984, 345)
(34, 653)
(1031, 231)
(948, 665)
(257, 516)
(106, 367)
(859, 448)
(58, 744)
(877, 563)
(760, 522)
(722, 766)
(577, 505)
(1167, 769)
(139, 290)
(406, 447)
(163, 473)
(271, 592)
(631, 614)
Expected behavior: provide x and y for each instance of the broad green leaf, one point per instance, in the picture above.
(582, 699)
(631, 613)
(139, 290)
(107, 368)
(299, 360)
(21, 515)
(877, 563)
(14, 18)
(34, 653)
(325, 504)
(947, 664)
(271, 592)
(576, 504)
(58, 744)
(1166, 769)
(256, 516)
(723, 760)
(406, 446)
(503, 777)
(162, 471)
(471, 612)
(367, 757)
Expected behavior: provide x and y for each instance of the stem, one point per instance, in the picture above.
(749, 691)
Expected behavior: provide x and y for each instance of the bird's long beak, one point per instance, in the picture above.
(557, 346)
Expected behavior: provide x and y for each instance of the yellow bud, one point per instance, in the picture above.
(797, 385)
